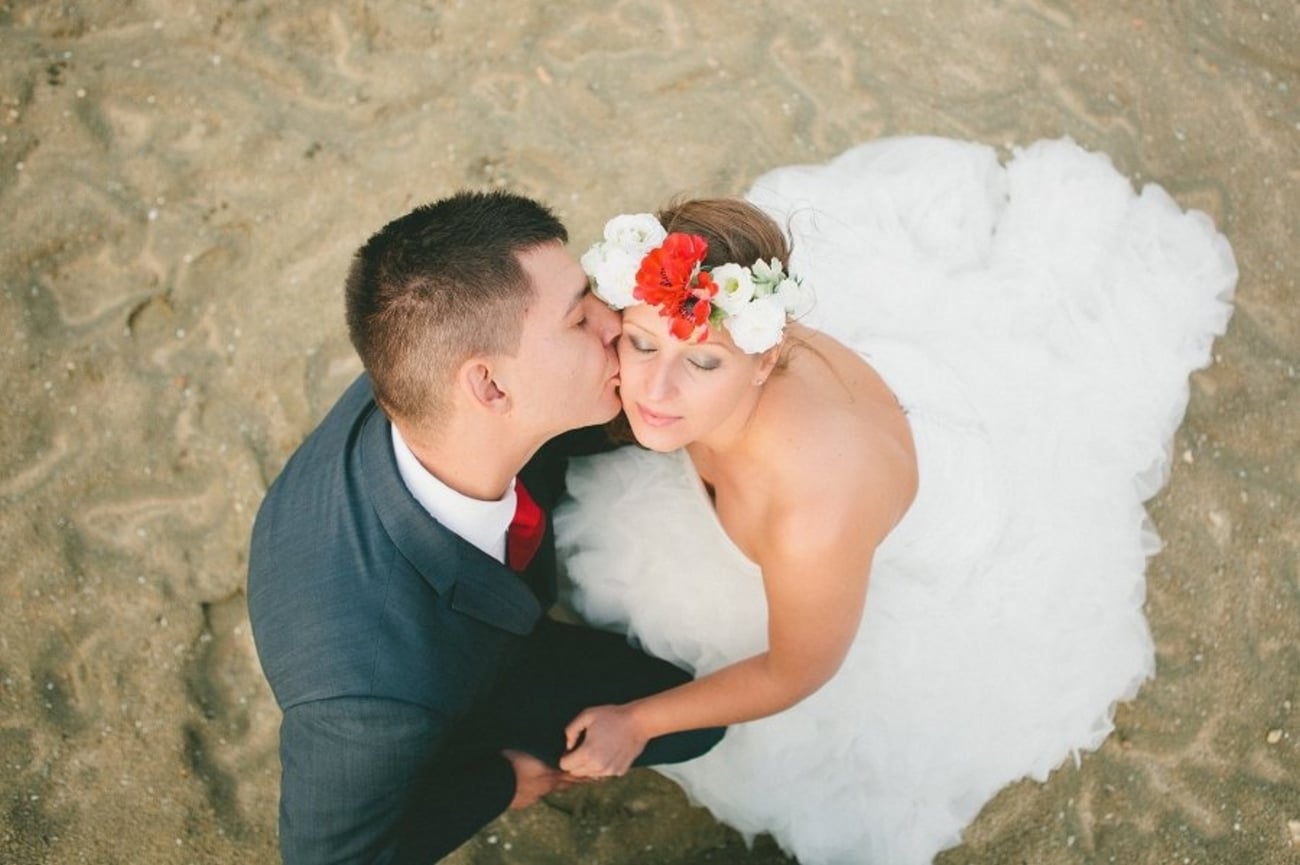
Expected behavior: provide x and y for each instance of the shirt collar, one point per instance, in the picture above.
(481, 523)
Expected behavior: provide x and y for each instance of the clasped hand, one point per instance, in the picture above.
(602, 742)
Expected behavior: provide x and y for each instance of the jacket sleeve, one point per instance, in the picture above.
(587, 440)
(544, 474)
(381, 781)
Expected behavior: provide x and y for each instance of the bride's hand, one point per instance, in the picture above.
(602, 741)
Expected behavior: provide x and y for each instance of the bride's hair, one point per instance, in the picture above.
(736, 230)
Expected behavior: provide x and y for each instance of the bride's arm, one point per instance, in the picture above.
(815, 566)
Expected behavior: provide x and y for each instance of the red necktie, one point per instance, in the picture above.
(525, 533)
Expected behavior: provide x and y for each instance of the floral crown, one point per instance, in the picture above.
(640, 262)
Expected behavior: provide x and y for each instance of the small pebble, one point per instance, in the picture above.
(1274, 736)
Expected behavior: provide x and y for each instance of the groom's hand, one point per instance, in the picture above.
(602, 742)
(535, 779)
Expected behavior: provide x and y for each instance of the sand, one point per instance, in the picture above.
(182, 184)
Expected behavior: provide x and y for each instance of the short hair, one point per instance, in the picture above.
(437, 286)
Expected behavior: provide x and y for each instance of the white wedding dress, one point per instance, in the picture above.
(1038, 321)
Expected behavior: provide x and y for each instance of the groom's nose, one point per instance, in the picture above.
(608, 324)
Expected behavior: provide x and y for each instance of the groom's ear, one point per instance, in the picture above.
(477, 378)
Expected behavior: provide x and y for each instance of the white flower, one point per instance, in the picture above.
(612, 263)
(768, 273)
(735, 287)
(613, 270)
(796, 299)
(636, 232)
(758, 325)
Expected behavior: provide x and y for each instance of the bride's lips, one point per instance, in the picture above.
(655, 419)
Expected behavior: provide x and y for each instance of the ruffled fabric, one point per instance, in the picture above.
(1039, 321)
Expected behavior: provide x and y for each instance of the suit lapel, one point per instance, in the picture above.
(475, 583)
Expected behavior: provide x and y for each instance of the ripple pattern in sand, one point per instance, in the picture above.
(182, 185)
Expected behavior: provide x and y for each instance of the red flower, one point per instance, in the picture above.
(670, 278)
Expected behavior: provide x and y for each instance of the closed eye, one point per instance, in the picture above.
(639, 345)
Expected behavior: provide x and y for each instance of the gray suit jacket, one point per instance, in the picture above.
(379, 630)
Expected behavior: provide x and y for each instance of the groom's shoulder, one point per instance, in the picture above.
(544, 474)
(581, 442)
(317, 479)
(336, 433)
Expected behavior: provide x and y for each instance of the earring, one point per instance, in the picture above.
(758, 382)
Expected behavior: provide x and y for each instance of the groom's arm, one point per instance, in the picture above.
(544, 474)
(369, 780)
(589, 440)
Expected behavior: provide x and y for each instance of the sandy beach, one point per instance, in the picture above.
(182, 185)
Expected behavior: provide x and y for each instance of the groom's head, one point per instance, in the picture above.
(472, 303)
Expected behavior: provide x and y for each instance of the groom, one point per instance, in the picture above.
(402, 562)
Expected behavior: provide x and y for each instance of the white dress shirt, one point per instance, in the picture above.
(483, 524)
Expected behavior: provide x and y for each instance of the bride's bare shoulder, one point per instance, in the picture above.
(835, 436)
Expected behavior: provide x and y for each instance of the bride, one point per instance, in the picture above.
(785, 433)
(888, 500)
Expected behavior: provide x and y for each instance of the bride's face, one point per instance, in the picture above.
(674, 392)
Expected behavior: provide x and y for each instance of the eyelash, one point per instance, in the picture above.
(641, 348)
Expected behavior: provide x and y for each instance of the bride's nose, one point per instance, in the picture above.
(659, 381)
